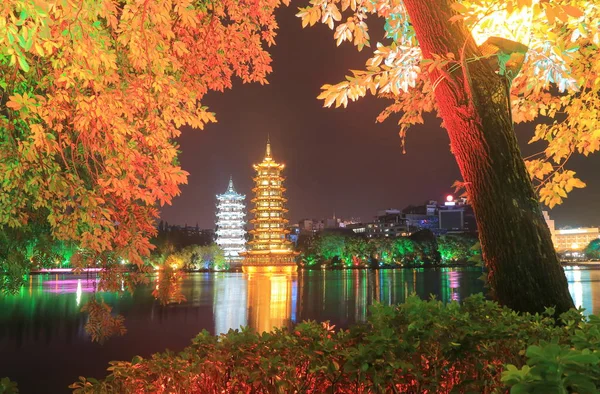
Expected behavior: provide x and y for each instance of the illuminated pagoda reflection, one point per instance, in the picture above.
(269, 250)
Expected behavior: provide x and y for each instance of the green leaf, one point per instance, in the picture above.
(23, 63)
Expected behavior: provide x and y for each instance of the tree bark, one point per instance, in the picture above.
(524, 271)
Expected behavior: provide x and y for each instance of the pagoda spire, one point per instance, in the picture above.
(230, 186)
(268, 153)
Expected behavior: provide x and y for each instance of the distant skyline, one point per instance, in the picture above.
(337, 160)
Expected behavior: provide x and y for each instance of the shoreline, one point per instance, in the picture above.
(583, 264)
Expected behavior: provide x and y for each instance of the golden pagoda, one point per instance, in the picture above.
(269, 250)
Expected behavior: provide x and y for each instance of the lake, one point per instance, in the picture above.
(44, 347)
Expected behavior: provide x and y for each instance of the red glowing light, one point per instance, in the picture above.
(449, 198)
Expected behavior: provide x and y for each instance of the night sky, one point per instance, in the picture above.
(337, 160)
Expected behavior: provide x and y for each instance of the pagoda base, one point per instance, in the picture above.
(269, 263)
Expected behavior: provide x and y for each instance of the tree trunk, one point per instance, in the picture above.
(524, 271)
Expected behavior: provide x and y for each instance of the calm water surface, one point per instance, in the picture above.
(44, 347)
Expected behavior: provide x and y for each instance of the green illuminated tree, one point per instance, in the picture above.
(356, 251)
(331, 247)
(592, 250)
(404, 250)
(455, 248)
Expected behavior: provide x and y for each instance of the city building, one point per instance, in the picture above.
(357, 228)
(422, 216)
(388, 223)
(575, 239)
(231, 235)
(332, 222)
(456, 216)
(294, 233)
(270, 249)
(349, 222)
(311, 225)
(453, 216)
(317, 225)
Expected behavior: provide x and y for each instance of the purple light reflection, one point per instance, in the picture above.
(67, 286)
(63, 270)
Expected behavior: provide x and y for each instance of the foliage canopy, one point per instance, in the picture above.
(418, 346)
(93, 96)
(558, 84)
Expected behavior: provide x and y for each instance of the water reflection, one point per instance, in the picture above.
(42, 326)
(272, 300)
(229, 302)
(582, 283)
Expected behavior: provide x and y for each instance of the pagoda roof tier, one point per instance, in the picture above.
(230, 218)
(268, 219)
(269, 164)
(269, 246)
(262, 188)
(270, 230)
(258, 200)
(276, 226)
(278, 239)
(268, 198)
(278, 235)
(231, 199)
(271, 187)
(268, 177)
(272, 208)
(230, 193)
(284, 221)
(271, 251)
(271, 176)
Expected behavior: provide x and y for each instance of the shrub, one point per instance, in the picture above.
(416, 347)
(8, 387)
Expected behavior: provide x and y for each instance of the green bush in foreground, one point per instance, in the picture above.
(416, 347)
(8, 387)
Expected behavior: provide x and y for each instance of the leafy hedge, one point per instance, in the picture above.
(416, 347)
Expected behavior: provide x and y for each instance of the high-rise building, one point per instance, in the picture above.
(270, 249)
(231, 235)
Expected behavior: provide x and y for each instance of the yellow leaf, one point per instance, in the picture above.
(572, 11)
(13, 103)
(460, 8)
